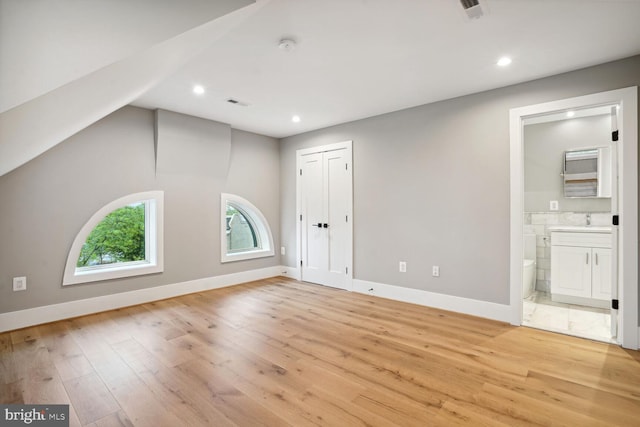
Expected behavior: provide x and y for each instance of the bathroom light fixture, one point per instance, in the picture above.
(571, 113)
(504, 61)
(295, 119)
(198, 89)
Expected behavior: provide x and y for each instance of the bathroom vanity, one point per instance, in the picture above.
(581, 265)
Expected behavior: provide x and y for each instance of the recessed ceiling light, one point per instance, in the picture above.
(295, 119)
(198, 89)
(571, 113)
(504, 61)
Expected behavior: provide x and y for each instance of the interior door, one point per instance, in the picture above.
(614, 229)
(314, 237)
(325, 188)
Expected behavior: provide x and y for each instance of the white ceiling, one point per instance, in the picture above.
(45, 44)
(359, 58)
(354, 58)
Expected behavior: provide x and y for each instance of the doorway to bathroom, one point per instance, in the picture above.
(573, 176)
(569, 197)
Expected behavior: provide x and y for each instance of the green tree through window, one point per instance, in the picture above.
(119, 237)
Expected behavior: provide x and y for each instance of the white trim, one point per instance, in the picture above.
(257, 219)
(154, 232)
(627, 99)
(488, 310)
(325, 148)
(51, 313)
(290, 272)
(344, 145)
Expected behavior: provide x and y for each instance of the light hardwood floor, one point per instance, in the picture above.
(279, 352)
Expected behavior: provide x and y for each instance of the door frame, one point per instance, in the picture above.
(627, 280)
(344, 145)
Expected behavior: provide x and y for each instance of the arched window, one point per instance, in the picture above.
(245, 233)
(122, 239)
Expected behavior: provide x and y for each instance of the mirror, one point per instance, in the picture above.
(587, 172)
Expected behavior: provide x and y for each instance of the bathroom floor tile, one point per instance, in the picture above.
(547, 316)
(587, 322)
(528, 308)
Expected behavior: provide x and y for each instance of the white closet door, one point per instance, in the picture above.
(325, 188)
(337, 181)
(314, 241)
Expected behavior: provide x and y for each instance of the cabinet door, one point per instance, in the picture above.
(601, 274)
(571, 271)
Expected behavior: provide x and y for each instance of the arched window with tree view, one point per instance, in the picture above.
(124, 238)
(245, 231)
(119, 237)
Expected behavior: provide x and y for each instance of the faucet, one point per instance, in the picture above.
(588, 218)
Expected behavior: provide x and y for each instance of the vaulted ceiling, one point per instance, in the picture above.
(352, 58)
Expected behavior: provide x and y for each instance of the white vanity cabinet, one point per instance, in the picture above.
(581, 267)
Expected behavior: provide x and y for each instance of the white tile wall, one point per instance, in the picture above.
(539, 223)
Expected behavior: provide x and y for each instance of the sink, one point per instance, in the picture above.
(582, 228)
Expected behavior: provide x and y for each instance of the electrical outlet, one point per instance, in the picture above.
(403, 267)
(435, 271)
(19, 283)
(282, 250)
(553, 205)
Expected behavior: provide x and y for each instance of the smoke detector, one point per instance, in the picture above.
(287, 45)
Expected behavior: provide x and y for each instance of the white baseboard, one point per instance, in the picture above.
(473, 307)
(51, 313)
(290, 272)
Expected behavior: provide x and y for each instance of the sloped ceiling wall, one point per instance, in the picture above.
(45, 44)
(71, 66)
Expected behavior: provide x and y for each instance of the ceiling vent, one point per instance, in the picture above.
(472, 8)
(236, 102)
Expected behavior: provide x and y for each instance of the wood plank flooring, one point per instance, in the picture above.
(279, 352)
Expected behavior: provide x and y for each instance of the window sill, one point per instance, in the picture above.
(241, 256)
(102, 273)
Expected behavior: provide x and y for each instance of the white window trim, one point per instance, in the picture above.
(154, 242)
(257, 219)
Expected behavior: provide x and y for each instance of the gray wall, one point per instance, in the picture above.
(431, 187)
(431, 184)
(544, 147)
(45, 203)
